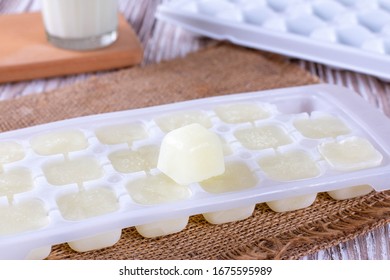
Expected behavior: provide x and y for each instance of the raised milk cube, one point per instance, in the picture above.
(237, 176)
(86, 204)
(154, 190)
(353, 153)
(290, 166)
(59, 142)
(191, 154)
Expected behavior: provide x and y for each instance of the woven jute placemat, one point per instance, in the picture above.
(223, 69)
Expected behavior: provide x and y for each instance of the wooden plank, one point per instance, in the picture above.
(26, 54)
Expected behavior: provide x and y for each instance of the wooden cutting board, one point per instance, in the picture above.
(26, 54)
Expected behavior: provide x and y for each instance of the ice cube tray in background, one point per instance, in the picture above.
(83, 180)
(349, 34)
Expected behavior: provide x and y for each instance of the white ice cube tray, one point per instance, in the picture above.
(117, 208)
(348, 34)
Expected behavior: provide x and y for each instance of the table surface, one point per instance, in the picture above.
(163, 41)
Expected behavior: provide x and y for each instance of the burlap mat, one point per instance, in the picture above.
(219, 70)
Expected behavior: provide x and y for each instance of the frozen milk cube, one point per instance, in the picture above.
(258, 138)
(320, 125)
(39, 253)
(128, 161)
(350, 192)
(229, 215)
(352, 153)
(191, 154)
(75, 171)
(292, 203)
(10, 152)
(96, 242)
(289, 166)
(179, 119)
(158, 189)
(242, 112)
(59, 142)
(15, 181)
(237, 176)
(162, 228)
(23, 216)
(121, 133)
(86, 204)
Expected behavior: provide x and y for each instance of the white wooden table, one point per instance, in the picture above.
(163, 41)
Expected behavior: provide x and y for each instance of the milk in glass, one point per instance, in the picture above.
(80, 24)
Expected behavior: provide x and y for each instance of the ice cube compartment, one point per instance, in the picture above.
(347, 34)
(86, 179)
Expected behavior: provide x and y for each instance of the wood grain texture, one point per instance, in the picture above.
(163, 41)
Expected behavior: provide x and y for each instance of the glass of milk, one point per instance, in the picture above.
(80, 24)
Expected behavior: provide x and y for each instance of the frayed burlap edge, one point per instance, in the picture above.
(372, 212)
